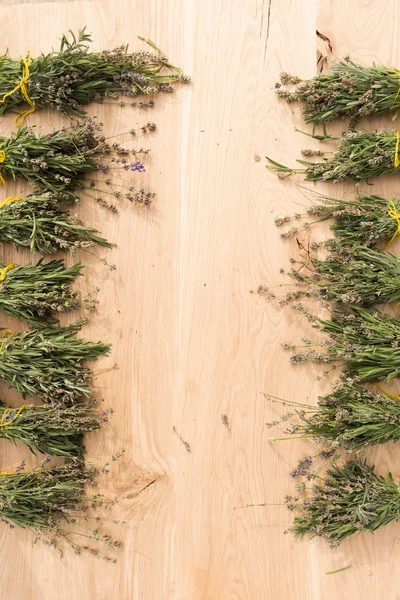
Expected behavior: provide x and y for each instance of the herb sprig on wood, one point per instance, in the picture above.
(350, 417)
(51, 429)
(350, 90)
(350, 499)
(366, 341)
(34, 293)
(360, 155)
(39, 222)
(48, 363)
(73, 77)
(367, 220)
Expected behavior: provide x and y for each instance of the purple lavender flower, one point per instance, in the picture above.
(138, 166)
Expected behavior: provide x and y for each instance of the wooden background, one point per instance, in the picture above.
(191, 342)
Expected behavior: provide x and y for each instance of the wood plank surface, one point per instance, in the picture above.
(190, 340)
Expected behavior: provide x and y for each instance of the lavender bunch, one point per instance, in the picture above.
(56, 430)
(366, 341)
(367, 220)
(33, 293)
(360, 155)
(350, 90)
(57, 161)
(73, 77)
(39, 222)
(48, 363)
(355, 275)
(52, 502)
(350, 499)
(350, 417)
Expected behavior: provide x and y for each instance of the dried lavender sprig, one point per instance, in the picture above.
(47, 363)
(351, 499)
(350, 417)
(34, 293)
(355, 275)
(39, 222)
(51, 429)
(52, 503)
(73, 77)
(350, 90)
(367, 341)
(57, 161)
(360, 155)
(364, 220)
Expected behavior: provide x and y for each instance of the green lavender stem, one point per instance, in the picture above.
(34, 293)
(39, 223)
(350, 417)
(350, 90)
(51, 429)
(360, 155)
(73, 77)
(47, 363)
(351, 499)
(354, 275)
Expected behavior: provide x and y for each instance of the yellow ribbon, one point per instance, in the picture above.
(10, 199)
(398, 91)
(6, 335)
(22, 85)
(396, 152)
(4, 423)
(393, 212)
(388, 394)
(3, 272)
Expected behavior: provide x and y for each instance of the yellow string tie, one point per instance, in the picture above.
(393, 212)
(2, 159)
(3, 272)
(6, 473)
(7, 333)
(10, 199)
(396, 152)
(388, 394)
(4, 423)
(22, 85)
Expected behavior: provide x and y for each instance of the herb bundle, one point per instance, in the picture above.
(367, 341)
(49, 501)
(57, 161)
(351, 90)
(360, 155)
(74, 77)
(367, 220)
(39, 223)
(34, 292)
(355, 275)
(47, 363)
(55, 430)
(351, 499)
(350, 417)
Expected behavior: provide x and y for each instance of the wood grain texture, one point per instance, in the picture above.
(191, 342)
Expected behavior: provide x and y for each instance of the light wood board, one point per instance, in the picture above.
(190, 340)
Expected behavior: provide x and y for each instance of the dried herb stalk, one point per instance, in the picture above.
(351, 499)
(51, 429)
(52, 503)
(360, 155)
(47, 363)
(367, 341)
(355, 275)
(350, 417)
(34, 293)
(367, 220)
(57, 161)
(38, 222)
(73, 77)
(350, 90)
